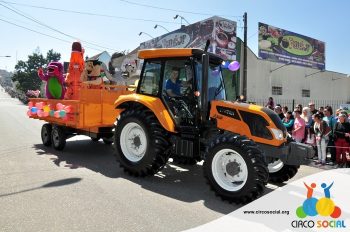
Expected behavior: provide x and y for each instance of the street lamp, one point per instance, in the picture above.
(157, 25)
(145, 34)
(182, 18)
(280, 67)
(322, 70)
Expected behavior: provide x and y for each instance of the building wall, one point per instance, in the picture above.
(326, 87)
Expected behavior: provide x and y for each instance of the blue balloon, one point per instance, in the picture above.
(34, 110)
(225, 64)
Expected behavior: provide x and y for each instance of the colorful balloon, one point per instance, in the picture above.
(68, 109)
(52, 113)
(39, 105)
(30, 104)
(40, 113)
(59, 106)
(29, 113)
(62, 113)
(57, 114)
(234, 66)
(45, 114)
(46, 109)
(34, 110)
(225, 64)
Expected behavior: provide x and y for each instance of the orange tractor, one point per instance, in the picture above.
(179, 110)
(185, 115)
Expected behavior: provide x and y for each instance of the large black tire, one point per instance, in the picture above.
(107, 141)
(95, 139)
(58, 137)
(283, 173)
(235, 168)
(150, 138)
(46, 130)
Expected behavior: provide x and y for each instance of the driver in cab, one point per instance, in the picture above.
(173, 84)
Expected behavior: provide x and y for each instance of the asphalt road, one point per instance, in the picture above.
(83, 188)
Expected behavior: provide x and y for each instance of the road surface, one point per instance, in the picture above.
(83, 188)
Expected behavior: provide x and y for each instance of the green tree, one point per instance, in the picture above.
(26, 71)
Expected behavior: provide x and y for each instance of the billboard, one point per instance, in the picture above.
(279, 45)
(220, 31)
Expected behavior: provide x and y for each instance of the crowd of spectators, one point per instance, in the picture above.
(327, 132)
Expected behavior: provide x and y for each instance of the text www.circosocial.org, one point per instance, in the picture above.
(285, 212)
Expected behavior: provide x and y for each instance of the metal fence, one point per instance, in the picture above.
(291, 103)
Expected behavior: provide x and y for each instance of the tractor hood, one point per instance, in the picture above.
(256, 122)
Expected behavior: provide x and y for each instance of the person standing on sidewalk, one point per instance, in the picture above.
(342, 138)
(331, 121)
(321, 129)
(299, 127)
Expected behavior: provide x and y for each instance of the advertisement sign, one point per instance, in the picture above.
(221, 32)
(283, 46)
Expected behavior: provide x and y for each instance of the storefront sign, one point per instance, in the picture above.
(221, 32)
(280, 45)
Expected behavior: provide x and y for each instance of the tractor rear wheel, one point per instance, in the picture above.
(235, 168)
(140, 142)
(280, 172)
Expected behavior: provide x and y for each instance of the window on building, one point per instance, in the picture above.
(305, 93)
(276, 90)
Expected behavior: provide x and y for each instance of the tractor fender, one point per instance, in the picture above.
(152, 103)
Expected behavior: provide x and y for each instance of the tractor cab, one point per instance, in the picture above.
(177, 80)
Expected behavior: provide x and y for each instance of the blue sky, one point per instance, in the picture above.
(327, 21)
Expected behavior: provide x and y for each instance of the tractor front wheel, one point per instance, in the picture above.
(234, 168)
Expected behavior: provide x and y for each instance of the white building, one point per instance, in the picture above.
(286, 83)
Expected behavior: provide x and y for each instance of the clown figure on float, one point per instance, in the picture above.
(54, 80)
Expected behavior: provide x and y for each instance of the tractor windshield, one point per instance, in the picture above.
(216, 87)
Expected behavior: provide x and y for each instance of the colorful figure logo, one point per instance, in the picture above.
(323, 206)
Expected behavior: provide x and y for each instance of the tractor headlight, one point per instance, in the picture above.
(277, 133)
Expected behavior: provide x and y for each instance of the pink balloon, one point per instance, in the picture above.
(59, 106)
(234, 66)
(39, 105)
(68, 109)
(40, 113)
(45, 114)
(30, 104)
(29, 113)
(56, 114)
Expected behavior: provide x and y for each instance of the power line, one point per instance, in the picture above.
(51, 28)
(89, 13)
(26, 28)
(174, 10)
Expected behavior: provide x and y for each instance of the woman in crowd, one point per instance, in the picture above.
(284, 110)
(309, 135)
(270, 104)
(288, 122)
(298, 126)
(342, 135)
(321, 130)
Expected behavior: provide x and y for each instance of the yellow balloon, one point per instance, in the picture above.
(325, 206)
(46, 109)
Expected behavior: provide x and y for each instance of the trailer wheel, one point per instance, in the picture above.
(107, 141)
(46, 130)
(234, 168)
(280, 172)
(95, 139)
(140, 142)
(58, 137)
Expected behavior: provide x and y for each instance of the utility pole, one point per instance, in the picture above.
(245, 57)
